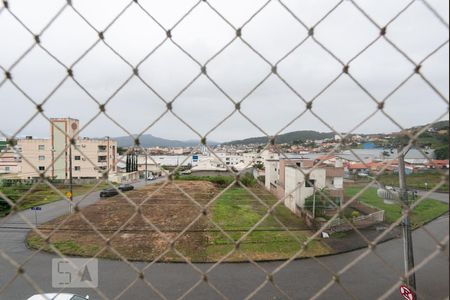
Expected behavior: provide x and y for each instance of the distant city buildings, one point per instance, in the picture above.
(96, 158)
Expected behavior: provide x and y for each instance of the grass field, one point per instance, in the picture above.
(425, 212)
(417, 181)
(41, 194)
(237, 211)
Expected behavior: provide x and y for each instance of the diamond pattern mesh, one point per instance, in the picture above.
(247, 43)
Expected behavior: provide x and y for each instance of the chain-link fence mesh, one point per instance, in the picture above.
(23, 269)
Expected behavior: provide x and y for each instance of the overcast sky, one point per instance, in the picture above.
(237, 70)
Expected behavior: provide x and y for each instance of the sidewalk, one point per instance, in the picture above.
(354, 241)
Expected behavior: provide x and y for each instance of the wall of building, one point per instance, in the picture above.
(296, 191)
(272, 173)
(9, 162)
(90, 158)
(35, 154)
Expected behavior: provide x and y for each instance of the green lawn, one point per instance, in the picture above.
(416, 181)
(425, 212)
(41, 194)
(237, 211)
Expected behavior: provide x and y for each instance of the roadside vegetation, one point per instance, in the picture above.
(40, 194)
(220, 181)
(425, 212)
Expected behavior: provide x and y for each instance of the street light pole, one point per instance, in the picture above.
(406, 224)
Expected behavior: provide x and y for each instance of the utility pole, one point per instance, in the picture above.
(406, 224)
(146, 167)
(314, 201)
(70, 177)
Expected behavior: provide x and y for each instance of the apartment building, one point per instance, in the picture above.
(297, 179)
(9, 163)
(89, 158)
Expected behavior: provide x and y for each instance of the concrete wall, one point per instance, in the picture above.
(59, 141)
(272, 173)
(295, 181)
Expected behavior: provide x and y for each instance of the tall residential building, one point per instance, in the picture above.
(89, 158)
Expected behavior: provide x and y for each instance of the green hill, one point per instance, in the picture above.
(287, 138)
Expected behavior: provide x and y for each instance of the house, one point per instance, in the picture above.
(438, 164)
(358, 168)
(297, 179)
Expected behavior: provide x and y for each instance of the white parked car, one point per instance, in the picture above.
(58, 297)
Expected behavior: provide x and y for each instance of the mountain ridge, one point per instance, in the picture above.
(149, 140)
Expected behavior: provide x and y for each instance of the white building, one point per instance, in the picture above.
(298, 189)
(286, 179)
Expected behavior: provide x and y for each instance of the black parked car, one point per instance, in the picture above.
(126, 187)
(108, 193)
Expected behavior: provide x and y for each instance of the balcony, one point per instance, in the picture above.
(102, 149)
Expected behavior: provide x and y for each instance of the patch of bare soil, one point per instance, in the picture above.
(138, 227)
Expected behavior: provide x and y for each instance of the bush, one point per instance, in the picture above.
(221, 181)
(248, 180)
(322, 202)
(355, 214)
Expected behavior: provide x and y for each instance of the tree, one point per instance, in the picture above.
(322, 202)
(442, 153)
(121, 150)
(259, 165)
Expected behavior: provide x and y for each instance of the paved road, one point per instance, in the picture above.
(368, 279)
(443, 197)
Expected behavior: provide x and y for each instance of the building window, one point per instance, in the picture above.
(102, 159)
(41, 157)
(41, 147)
(41, 168)
(77, 157)
(77, 168)
(102, 148)
(310, 183)
(7, 169)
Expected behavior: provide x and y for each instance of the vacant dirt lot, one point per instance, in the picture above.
(130, 226)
